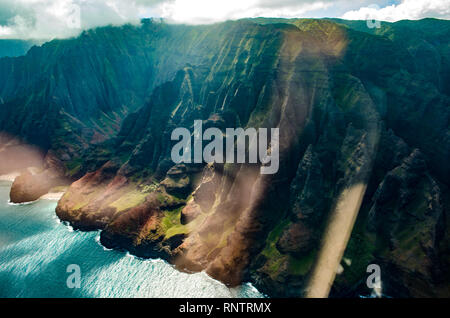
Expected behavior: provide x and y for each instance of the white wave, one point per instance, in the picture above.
(22, 203)
(35, 264)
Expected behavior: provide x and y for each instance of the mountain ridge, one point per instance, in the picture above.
(326, 86)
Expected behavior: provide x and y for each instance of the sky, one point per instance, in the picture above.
(48, 19)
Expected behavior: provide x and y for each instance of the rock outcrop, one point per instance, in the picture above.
(34, 183)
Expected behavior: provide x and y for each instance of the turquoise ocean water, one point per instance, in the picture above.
(36, 249)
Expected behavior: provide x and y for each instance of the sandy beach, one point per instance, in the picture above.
(52, 196)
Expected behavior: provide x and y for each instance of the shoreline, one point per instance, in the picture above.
(54, 196)
(9, 177)
(51, 196)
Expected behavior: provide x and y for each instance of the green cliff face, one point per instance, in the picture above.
(353, 107)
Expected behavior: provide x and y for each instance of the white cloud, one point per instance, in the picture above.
(5, 31)
(208, 11)
(407, 9)
(46, 19)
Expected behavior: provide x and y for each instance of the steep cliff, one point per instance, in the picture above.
(360, 119)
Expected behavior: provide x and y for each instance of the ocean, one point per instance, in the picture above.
(36, 251)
